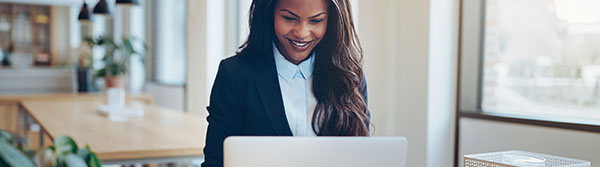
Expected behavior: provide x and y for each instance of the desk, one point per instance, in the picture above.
(148, 99)
(161, 133)
(14, 120)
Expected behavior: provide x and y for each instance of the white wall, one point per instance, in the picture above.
(443, 29)
(395, 35)
(396, 73)
(59, 34)
(195, 92)
(480, 136)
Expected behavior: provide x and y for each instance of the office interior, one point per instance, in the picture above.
(455, 77)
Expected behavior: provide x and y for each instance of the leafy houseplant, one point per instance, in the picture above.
(64, 153)
(116, 59)
(9, 154)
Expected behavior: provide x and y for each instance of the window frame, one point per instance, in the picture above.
(151, 40)
(471, 84)
(470, 80)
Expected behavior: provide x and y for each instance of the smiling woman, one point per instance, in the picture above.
(298, 34)
(299, 73)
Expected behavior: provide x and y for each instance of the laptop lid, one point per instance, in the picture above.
(315, 151)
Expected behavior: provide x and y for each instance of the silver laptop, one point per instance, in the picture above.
(314, 151)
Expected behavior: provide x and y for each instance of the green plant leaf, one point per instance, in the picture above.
(5, 136)
(13, 157)
(101, 73)
(84, 153)
(28, 152)
(94, 161)
(89, 157)
(60, 161)
(2, 163)
(90, 41)
(117, 55)
(128, 46)
(65, 145)
(72, 160)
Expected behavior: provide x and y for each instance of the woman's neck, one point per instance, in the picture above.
(283, 52)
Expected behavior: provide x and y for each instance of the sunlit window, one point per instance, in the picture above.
(169, 42)
(542, 57)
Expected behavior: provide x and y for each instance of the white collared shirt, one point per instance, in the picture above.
(299, 101)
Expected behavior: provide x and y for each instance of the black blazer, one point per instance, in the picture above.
(245, 101)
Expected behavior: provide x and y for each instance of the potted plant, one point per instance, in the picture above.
(116, 59)
(64, 153)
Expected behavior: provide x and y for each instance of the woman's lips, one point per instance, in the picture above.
(300, 46)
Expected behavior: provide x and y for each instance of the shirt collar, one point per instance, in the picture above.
(288, 70)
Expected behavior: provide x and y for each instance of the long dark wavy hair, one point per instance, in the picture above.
(341, 110)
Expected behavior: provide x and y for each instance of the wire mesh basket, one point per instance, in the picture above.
(517, 158)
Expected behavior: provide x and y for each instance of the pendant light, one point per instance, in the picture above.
(84, 13)
(127, 2)
(101, 8)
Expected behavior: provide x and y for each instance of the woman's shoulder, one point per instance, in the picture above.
(237, 64)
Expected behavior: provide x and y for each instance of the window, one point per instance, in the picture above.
(227, 30)
(542, 57)
(169, 42)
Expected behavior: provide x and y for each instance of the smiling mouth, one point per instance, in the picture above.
(300, 45)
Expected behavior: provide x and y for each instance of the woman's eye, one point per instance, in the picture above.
(289, 18)
(316, 21)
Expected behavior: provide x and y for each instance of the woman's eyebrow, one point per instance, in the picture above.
(293, 14)
(318, 15)
(286, 10)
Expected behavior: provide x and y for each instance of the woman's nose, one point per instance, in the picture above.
(302, 31)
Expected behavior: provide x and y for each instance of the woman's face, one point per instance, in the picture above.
(299, 26)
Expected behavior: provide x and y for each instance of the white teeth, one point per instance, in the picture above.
(300, 44)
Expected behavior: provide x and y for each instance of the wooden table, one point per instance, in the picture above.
(148, 99)
(161, 133)
(14, 119)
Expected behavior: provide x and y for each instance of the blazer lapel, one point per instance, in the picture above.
(270, 93)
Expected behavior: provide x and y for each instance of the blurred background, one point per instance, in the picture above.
(453, 76)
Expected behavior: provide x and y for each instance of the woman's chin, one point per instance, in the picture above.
(299, 58)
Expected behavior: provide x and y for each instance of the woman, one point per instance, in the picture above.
(298, 74)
